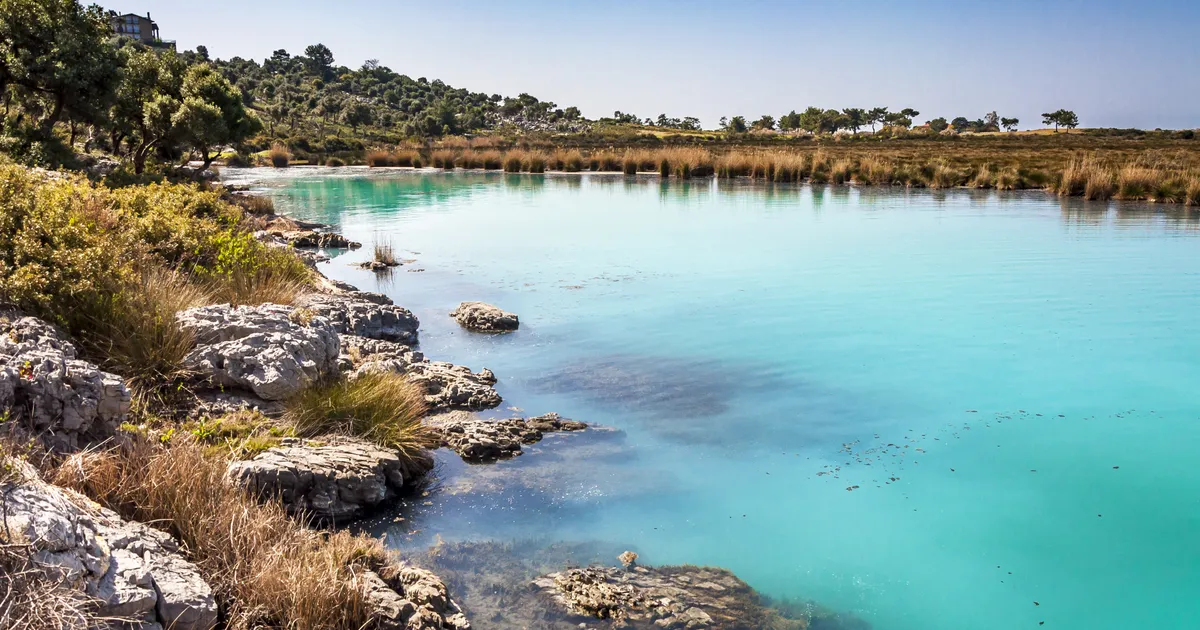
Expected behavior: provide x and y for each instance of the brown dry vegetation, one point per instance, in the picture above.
(1095, 167)
(267, 569)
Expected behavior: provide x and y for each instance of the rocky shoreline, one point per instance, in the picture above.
(252, 359)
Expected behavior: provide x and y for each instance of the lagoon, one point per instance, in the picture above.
(935, 410)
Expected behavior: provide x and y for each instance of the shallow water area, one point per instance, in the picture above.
(936, 410)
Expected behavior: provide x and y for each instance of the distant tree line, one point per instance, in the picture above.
(817, 121)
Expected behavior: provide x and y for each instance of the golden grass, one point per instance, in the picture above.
(279, 155)
(1138, 182)
(384, 252)
(383, 407)
(267, 569)
(1193, 191)
(442, 159)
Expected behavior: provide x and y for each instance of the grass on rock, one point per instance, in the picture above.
(383, 407)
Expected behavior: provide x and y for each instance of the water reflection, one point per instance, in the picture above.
(329, 195)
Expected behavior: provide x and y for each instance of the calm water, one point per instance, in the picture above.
(931, 409)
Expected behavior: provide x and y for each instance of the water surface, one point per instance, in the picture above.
(938, 410)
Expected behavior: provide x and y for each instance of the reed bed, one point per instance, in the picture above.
(1158, 176)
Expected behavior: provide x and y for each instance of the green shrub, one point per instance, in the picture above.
(112, 266)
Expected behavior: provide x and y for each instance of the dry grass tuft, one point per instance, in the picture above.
(384, 252)
(267, 569)
(1137, 182)
(384, 407)
(279, 155)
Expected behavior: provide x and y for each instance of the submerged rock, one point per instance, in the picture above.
(664, 597)
(370, 315)
(447, 386)
(340, 479)
(482, 317)
(402, 597)
(65, 400)
(479, 440)
(130, 570)
(271, 350)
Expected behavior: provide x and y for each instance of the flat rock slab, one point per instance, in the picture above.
(338, 479)
(478, 440)
(66, 401)
(363, 314)
(664, 597)
(271, 350)
(482, 317)
(132, 571)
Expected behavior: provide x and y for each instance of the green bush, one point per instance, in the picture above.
(113, 266)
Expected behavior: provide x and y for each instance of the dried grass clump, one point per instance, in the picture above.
(1137, 182)
(1193, 190)
(984, 178)
(1008, 180)
(383, 407)
(442, 159)
(279, 155)
(839, 171)
(384, 252)
(267, 569)
(942, 176)
(873, 170)
(379, 159)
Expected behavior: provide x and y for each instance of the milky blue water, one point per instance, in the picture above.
(938, 410)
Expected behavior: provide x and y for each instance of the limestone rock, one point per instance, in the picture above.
(66, 400)
(664, 597)
(313, 239)
(482, 317)
(341, 479)
(131, 570)
(479, 440)
(447, 386)
(271, 350)
(368, 315)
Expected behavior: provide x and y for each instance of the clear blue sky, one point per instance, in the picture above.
(1116, 63)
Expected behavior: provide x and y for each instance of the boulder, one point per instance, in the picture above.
(65, 400)
(271, 350)
(130, 570)
(479, 440)
(482, 317)
(370, 315)
(447, 386)
(313, 239)
(339, 479)
(418, 600)
(664, 597)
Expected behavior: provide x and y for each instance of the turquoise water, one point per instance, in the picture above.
(933, 409)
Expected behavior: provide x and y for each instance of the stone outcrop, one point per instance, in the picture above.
(447, 386)
(482, 317)
(402, 597)
(314, 239)
(131, 571)
(479, 440)
(65, 400)
(370, 315)
(664, 597)
(271, 350)
(338, 479)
